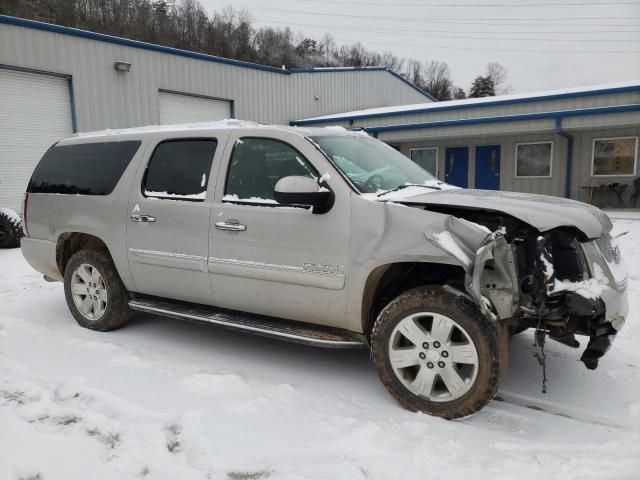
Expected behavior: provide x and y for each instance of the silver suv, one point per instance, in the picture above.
(325, 237)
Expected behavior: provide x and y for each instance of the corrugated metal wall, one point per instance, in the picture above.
(105, 98)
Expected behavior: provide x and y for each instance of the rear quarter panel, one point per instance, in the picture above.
(51, 215)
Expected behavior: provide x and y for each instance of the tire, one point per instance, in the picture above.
(452, 367)
(105, 305)
(10, 229)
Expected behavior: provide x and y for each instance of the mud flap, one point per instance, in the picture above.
(488, 261)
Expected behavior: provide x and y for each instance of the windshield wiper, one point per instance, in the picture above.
(400, 187)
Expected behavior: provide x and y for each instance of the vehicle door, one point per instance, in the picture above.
(275, 259)
(168, 220)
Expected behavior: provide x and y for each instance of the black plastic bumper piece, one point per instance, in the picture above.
(598, 345)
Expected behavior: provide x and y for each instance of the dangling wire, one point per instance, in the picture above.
(540, 337)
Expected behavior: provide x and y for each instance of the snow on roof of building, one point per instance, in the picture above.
(619, 87)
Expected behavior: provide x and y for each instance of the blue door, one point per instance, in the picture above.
(488, 167)
(456, 166)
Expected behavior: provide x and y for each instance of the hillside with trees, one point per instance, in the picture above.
(230, 33)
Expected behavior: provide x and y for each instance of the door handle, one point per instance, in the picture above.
(143, 218)
(231, 226)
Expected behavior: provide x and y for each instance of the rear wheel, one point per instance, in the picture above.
(94, 292)
(436, 353)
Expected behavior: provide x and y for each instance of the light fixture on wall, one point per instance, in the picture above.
(122, 66)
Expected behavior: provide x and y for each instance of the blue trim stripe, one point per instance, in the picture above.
(634, 107)
(465, 106)
(75, 32)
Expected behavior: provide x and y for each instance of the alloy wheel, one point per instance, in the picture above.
(89, 291)
(433, 356)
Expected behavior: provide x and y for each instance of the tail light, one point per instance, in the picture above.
(25, 202)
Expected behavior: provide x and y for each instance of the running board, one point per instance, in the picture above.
(291, 331)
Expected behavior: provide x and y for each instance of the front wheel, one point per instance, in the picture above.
(436, 353)
(94, 292)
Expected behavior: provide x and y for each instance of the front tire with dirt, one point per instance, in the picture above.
(94, 291)
(436, 353)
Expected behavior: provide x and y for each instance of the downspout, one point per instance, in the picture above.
(569, 138)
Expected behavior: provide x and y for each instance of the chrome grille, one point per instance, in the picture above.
(609, 252)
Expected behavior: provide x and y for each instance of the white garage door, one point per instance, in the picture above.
(177, 108)
(35, 112)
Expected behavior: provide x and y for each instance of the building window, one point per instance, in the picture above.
(614, 156)
(534, 159)
(427, 158)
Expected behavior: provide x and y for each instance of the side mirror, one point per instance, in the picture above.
(305, 192)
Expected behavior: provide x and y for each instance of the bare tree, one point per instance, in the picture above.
(437, 80)
(328, 50)
(392, 62)
(459, 93)
(414, 72)
(498, 74)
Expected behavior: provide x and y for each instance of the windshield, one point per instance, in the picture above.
(372, 165)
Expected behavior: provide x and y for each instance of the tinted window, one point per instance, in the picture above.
(256, 166)
(87, 169)
(179, 169)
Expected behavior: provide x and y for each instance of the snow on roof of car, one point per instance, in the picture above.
(228, 124)
(604, 89)
(217, 125)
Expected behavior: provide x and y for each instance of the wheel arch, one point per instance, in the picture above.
(69, 243)
(387, 281)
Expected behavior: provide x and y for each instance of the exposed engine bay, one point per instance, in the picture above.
(555, 281)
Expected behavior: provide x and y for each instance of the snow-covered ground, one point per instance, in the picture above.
(164, 399)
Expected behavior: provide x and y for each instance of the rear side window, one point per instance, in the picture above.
(86, 169)
(179, 170)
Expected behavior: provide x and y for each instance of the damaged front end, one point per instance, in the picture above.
(557, 281)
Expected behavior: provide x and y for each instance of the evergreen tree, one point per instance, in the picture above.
(482, 87)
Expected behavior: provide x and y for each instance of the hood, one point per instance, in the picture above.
(540, 211)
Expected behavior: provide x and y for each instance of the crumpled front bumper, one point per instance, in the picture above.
(603, 259)
(604, 254)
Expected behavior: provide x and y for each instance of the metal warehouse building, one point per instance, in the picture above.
(580, 143)
(56, 80)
